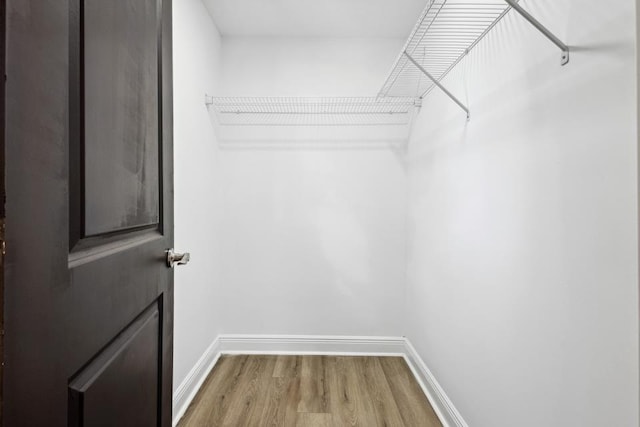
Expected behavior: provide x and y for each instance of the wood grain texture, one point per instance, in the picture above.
(310, 391)
(402, 383)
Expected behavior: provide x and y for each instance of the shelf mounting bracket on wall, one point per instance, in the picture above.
(548, 34)
(437, 83)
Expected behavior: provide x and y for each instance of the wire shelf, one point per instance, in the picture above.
(446, 31)
(283, 111)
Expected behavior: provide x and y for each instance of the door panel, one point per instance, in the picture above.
(89, 305)
(121, 138)
(98, 396)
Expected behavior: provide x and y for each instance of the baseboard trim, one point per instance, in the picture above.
(186, 391)
(316, 345)
(446, 411)
(311, 344)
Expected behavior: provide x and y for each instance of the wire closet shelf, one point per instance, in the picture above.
(290, 111)
(446, 31)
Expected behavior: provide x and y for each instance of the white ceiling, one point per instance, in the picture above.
(316, 18)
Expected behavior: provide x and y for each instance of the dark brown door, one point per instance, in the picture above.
(88, 296)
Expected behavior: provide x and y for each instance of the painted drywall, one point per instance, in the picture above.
(312, 67)
(314, 242)
(313, 234)
(196, 52)
(522, 290)
(311, 18)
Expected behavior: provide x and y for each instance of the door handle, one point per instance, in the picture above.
(174, 259)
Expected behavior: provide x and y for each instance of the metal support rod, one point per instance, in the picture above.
(437, 83)
(548, 34)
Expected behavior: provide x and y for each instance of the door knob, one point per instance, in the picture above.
(174, 259)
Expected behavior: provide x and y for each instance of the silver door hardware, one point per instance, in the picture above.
(174, 259)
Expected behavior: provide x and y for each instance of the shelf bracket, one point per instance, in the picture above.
(208, 100)
(437, 83)
(548, 34)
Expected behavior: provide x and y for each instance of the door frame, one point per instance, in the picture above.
(3, 28)
(637, 4)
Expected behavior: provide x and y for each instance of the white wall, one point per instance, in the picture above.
(196, 51)
(283, 241)
(280, 66)
(314, 242)
(313, 236)
(523, 263)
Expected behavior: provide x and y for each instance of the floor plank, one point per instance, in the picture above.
(364, 412)
(342, 402)
(245, 401)
(385, 409)
(413, 404)
(310, 391)
(315, 420)
(287, 366)
(211, 403)
(313, 392)
(275, 412)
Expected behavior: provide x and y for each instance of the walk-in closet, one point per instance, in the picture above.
(453, 181)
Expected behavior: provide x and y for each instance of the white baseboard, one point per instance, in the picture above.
(186, 391)
(316, 345)
(311, 344)
(446, 411)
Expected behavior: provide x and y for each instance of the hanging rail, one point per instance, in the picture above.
(294, 111)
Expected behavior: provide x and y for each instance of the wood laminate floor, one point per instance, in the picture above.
(314, 391)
